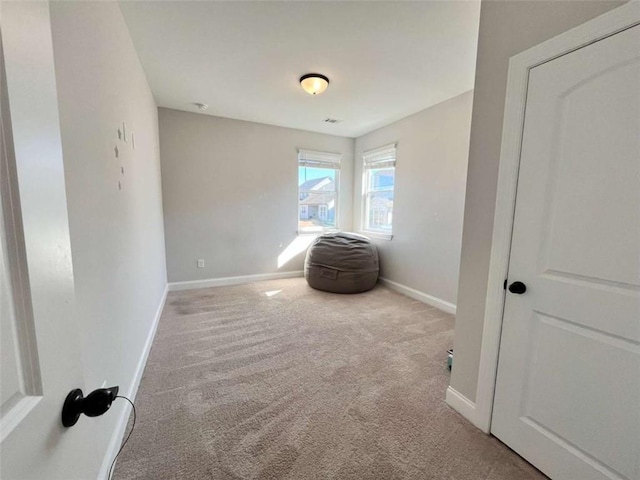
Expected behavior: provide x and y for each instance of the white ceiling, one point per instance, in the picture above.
(385, 60)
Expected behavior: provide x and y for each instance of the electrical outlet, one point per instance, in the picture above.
(201, 263)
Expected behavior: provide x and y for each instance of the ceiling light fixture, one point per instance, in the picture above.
(314, 83)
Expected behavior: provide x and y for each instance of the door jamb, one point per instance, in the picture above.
(610, 23)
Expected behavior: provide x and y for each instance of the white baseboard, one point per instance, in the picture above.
(420, 296)
(461, 404)
(121, 425)
(224, 281)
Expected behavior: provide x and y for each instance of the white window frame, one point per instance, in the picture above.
(381, 157)
(330, 161)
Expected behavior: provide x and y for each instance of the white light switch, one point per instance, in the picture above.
(201, 263)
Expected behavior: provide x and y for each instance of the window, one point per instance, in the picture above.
(378, 186)
(318, 186)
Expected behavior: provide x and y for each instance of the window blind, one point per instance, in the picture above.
(310, 158)
(380, 157)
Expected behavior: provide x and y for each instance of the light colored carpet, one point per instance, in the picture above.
(275, 380)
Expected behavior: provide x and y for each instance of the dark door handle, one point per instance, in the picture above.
(518, 288)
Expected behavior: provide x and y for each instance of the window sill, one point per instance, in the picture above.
(378, 235)
(315, 233)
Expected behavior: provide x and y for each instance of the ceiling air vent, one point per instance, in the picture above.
(331, 120)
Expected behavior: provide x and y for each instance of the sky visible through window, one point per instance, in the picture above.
(309, 173)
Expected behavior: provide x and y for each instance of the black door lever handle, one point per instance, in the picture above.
(518, 288)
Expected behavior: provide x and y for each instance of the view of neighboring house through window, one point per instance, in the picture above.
(318, 181)
(378, 186)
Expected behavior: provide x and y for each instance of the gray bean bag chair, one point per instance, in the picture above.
(342, 263)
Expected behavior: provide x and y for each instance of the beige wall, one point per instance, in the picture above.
(506, 28)
(432, 149)
(230, 193)
(117, 239)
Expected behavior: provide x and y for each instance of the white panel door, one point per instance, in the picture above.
(39, 341)
(568, 387)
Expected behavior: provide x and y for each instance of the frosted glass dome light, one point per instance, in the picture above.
(314, 83)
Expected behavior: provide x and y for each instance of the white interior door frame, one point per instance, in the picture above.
(610, 23)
